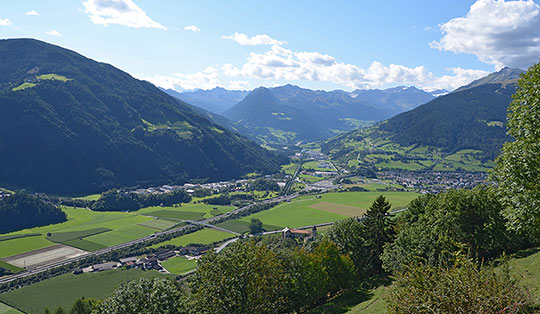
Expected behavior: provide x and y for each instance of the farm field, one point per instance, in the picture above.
(242, 226)
(123, 226)
(204, 236)
(309, 210)
(9, 267)
(66, 289)
(49, 254)
(6, 309)
(179, 265)
(186, 211)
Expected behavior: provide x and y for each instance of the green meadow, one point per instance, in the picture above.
(65, 289)
(6, 309)
(179, 265)
(311, 209)
(204, 236)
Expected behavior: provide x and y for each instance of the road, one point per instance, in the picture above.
(205, 222)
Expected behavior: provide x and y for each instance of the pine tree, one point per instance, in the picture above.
(379, 230)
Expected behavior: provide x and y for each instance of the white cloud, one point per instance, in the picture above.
(206, 79)
(33, 13)
(122, 12)
(256, 40)
(498, 32)
(238, 85)
(283, 64)
(54, 33)
(5, 22)
(192, 28)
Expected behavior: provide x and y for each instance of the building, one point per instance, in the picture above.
(304, 234)
(104, 266)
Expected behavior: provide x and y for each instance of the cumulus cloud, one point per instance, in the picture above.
(256, 40)
(206, 79)
(498, 32)
(283, 64)
(121, 12)
(192, 28)
(238, 85)
(5, 22)
(32, 13)
(54, 33)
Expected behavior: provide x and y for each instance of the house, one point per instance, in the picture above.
(305, 234)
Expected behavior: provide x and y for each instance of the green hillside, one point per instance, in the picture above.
(459, 131)
(80, 126)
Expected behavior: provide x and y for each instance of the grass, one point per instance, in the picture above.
(11, 268)
(242, 226)
(17, 236)
(124, 227)
(85, 245)
(91, 197)
(6, 309)
(308, 210)
(203, 209)
(22, 245)
(159, 224)
(55, 77)
(525, 266)
(64, 290)
(177, 214)
(204, 236)
(179, 265)
(61, 237)
(24, 85)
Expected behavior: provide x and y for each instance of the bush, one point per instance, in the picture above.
(462, 288)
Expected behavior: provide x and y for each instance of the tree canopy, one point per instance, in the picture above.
(518, 167)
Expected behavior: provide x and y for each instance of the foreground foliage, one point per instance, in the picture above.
(518, 167)
(465, 287)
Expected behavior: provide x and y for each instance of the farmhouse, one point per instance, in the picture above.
(304, 234)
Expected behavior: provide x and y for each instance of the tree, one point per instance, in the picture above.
(464, 287)
(348, 235)
(146, 296)
(60, 310)
(256, 226)
(518, 167)
(435, 227)
(378, 230)
(244, 278)
(84, 306)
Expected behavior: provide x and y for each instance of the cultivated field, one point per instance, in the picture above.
(179, 265)
(42, 256)
(204, 236)
(242, 226)
(309, 210)
(6, 309)
(66, 289)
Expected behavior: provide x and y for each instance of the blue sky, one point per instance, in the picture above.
(315, 44)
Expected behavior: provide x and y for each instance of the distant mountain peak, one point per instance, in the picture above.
(504, 75)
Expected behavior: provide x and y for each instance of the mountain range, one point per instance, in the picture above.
(73, 125)
(471, 118)
(289, 114)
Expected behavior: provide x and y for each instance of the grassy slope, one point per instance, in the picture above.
(64, 290)
(524, 265)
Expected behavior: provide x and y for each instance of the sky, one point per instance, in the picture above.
(348, 45)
